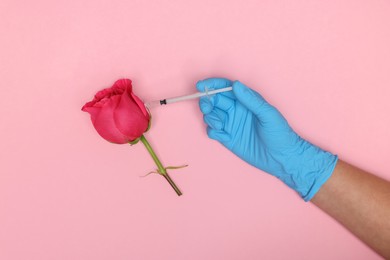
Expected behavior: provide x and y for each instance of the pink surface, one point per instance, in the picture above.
(65, 193)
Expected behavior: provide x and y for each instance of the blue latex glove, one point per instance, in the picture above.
(257, 132)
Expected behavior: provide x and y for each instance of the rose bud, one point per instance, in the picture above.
(117, 114)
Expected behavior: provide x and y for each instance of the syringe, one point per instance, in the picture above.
(186, 97)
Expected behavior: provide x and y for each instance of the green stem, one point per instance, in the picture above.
(159, 165)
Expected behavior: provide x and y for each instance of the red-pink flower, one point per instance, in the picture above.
(121, 117)
(117, 114)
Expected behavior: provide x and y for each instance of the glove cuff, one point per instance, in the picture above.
(307, 169)
(322, 176)
(315, 166)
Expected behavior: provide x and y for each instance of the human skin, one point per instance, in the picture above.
(360, 201)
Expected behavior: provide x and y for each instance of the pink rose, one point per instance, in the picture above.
(117, 114)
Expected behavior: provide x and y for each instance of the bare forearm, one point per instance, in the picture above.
(361, 202)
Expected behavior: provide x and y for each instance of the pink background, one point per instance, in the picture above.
(65, 193)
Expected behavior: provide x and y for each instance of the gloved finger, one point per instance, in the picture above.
(216, 119)
(205, 105)
(265, 112)
(222, 102)
(219, 102)
(250, 98)
(215, 83)
(222, 115)
(213, 121)
(218, 135)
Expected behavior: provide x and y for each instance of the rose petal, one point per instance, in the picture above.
(129, 118)
(104, 93)
(105, 125)
(125, 85)
(121, 85)
(93, 111)
(141, 105)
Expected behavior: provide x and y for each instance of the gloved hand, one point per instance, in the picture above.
(257, 132)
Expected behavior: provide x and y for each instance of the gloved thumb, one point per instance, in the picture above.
(252, 100)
